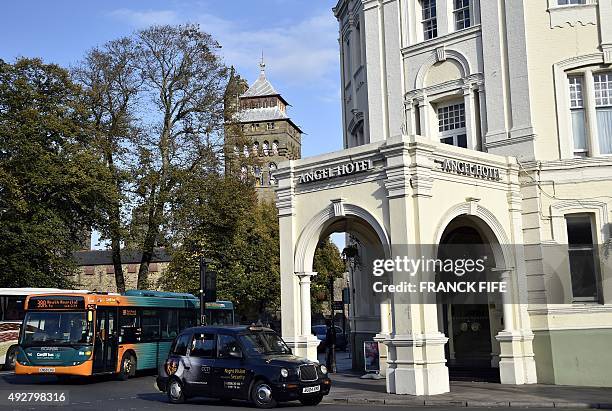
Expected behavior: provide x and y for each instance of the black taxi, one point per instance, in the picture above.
(247, 363)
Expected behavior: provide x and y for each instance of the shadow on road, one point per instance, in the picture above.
(199, 401)
(50, 380)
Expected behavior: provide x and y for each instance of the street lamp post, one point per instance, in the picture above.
(332, 347)
(207, 287)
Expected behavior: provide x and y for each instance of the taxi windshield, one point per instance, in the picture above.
(264, 343)
(55, 328)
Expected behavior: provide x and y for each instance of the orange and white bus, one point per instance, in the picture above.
(92, 333)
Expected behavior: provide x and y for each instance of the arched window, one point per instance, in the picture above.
(258, 175)
(275, 147)
(272, 169)
(255, 148)
(265, 147)
(245, 150)
(243, 172)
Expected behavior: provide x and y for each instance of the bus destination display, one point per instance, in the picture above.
(56, 303)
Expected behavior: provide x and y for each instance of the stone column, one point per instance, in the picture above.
(385, 330)
(290, 307)
(471, 124)
(517, 363)
(591, 114)
(425, 118)
(306, 344)
(416, 362)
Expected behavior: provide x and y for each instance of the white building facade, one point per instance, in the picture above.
(467, 119)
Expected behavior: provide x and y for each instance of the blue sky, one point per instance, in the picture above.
(298, 38)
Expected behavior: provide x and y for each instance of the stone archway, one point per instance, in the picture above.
(368, 316)
(510, 344)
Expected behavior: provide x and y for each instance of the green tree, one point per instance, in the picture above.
(52, 182)
(219, 218)
(111, 80)
(184, 81)
(327, 264)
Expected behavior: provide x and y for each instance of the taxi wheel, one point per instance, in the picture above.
(176, 394)
(261, 395)
(128, 367)
(311, 401)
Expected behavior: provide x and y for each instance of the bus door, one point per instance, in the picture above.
(105, 348)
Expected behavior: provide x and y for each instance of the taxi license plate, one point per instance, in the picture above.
(46, 369)
(309, 390)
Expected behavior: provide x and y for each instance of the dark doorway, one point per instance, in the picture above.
(469, 350)
(105, 348)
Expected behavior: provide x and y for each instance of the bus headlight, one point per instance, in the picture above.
(323, 369)
(284, 373)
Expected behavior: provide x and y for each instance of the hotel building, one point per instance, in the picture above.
(467, 121)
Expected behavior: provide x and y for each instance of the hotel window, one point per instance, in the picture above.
(570, 2)
(451, 125)
(603, 108)
(255, 148)
(462, 14)
(271, 126)
(245, 150)
(581, 257)
(578, 116)
(429, 21)
(265, 148)
(275, 147)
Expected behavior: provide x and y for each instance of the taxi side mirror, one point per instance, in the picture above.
(235, 354)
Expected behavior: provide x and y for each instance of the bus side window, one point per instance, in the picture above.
(169, 323)
(13, 311)
(187, 318)
(128, 322)
(150, 324)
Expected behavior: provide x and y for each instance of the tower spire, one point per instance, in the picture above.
(262, 64)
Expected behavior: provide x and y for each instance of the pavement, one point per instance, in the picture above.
(349, 388)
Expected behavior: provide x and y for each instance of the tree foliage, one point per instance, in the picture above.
(51, 179)
(327, 264)
(220, 218)
(183, 88)
(111, 82)
(157, 100)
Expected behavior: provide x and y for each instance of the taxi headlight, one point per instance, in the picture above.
(284, 373)
(324, 369)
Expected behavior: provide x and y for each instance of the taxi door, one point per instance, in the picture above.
(231, 374)
(201, 362)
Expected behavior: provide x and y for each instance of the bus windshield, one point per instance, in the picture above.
(42, 328)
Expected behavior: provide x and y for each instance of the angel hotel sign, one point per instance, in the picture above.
(469, 169)
(326, 173)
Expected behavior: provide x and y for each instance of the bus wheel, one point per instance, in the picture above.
(9, 361)
(176, 394)
(261, 395)
(128, 366)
